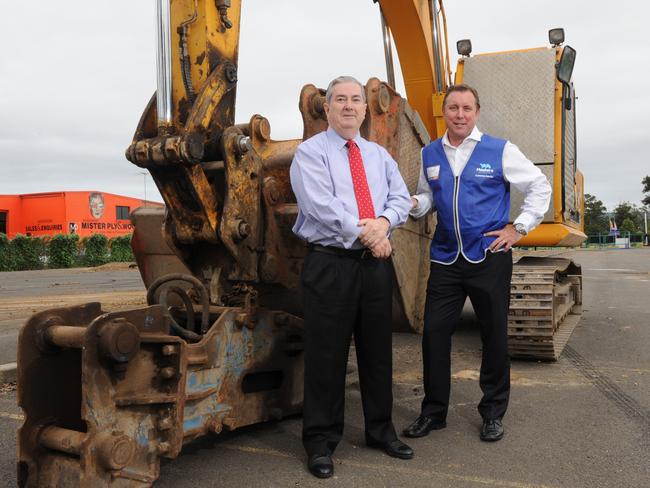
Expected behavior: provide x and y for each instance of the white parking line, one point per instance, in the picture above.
(625, 270)
(12, 416)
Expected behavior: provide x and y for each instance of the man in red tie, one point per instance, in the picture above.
(350, 195)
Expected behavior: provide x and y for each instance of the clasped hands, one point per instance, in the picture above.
(374, 236)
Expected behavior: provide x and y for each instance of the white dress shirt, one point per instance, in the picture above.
(518, 170)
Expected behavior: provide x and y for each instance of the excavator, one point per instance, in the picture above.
(219, 345)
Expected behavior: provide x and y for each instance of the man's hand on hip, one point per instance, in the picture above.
(374, 230)
(505, 238)
(383, 249)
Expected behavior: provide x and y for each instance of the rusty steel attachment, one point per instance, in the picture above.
(220, 344)
(106, 395)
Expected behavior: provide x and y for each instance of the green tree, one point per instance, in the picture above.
(628, 225)
(646, 189)
(627, 210)
(595, 215)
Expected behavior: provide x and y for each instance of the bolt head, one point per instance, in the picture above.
(263, 129)
(168, 372)
(114, 450)
(241, 319)
(164, 447)
(165, 423)
(119, 341)
(244, 144)
(383, 99)
(231, 73)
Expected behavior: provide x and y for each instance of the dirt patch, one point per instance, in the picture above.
(527, 378)
(106, 267)
(114, 266)
(24, 307)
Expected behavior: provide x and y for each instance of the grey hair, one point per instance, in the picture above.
(343, 79)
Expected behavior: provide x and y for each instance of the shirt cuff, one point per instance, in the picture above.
(417, 212)
(528, 221)
(392, 217)
(349, 232)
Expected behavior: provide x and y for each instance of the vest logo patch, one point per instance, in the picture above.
(433, 172)
(484, 170)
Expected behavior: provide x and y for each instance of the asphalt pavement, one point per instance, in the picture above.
(583, 421)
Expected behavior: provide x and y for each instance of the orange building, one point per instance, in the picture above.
(68, 212)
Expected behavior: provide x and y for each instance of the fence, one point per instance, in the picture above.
(623, 240)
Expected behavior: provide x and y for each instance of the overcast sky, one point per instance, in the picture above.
(75, 77)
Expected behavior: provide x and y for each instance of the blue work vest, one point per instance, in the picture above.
(475, 202)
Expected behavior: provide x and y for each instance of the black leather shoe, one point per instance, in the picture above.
(320, 465)
(423, 425)
(492, 430)
(396, 448)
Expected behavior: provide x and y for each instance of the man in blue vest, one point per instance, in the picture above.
(466, 178)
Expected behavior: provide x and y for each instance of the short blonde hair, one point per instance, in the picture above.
(461, 88)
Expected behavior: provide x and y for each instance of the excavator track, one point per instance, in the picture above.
(545, 306)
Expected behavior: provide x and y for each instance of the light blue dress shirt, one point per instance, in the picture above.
(321, 180)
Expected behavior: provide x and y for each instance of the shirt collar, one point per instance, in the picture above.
(339, 141)
(475, 135)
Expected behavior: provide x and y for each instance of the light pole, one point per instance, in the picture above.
(144, 177)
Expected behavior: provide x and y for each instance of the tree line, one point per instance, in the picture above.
(627, 216)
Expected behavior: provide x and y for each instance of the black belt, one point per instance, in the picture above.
(341, 252)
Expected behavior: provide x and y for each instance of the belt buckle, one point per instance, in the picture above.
(365, 253)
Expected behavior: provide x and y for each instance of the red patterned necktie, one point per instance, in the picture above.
(360, 182)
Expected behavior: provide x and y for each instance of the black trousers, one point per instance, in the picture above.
(345, 296)
(488, 286)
